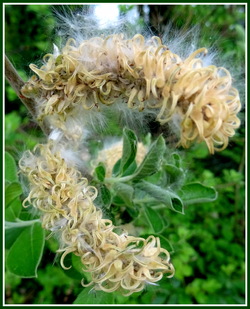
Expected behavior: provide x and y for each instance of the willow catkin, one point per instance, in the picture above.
(143, 74)
(66, 202)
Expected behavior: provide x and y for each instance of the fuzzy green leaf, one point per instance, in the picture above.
(164, 196)
(26, 252)
(116, 168)
(154, 219)
(197, 193)
(172, 172)
(125, 192)
(104, 197)
(100, 172)
(152, 161)
(133, 211)
(131, 169)
(177, 159)
(129, 149)
(89, 296)
(116, 200)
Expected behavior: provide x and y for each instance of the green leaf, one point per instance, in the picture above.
(116, 168)
(90, 296)
(166, 244)
(13, 211)
(154, 219)
(177, 204)
(155, 178)
(167, 197)
(72, 272)
(133, 211)
(177, 159)
(129, 149)
(10, 168)
(13, 191)
(11, 235)
(104, 197)
(125, 192)
(116, 200)
(26, 252)
(152, 161)
(131, 169)
(77, 263)
(100, 172)
(78, 266)
(173, 172)
(197, 193)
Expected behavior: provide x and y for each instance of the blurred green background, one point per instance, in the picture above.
(209, 240)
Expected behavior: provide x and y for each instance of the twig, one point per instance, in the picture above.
(17, 83)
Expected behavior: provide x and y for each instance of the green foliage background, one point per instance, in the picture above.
(208, 241)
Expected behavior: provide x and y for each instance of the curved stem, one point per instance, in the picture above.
(17, 83)
(20, 223)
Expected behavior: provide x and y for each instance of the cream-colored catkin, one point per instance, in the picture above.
(66, 202)
(140, 75)
(143, 74)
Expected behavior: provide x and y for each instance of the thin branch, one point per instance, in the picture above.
(17, 83)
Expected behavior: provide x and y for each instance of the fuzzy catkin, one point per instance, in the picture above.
(92, 76)
(143, 75)
(66, 202)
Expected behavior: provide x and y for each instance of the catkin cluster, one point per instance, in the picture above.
(115, 261)
(142, 74)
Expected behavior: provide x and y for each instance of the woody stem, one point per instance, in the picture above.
(17, 83)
